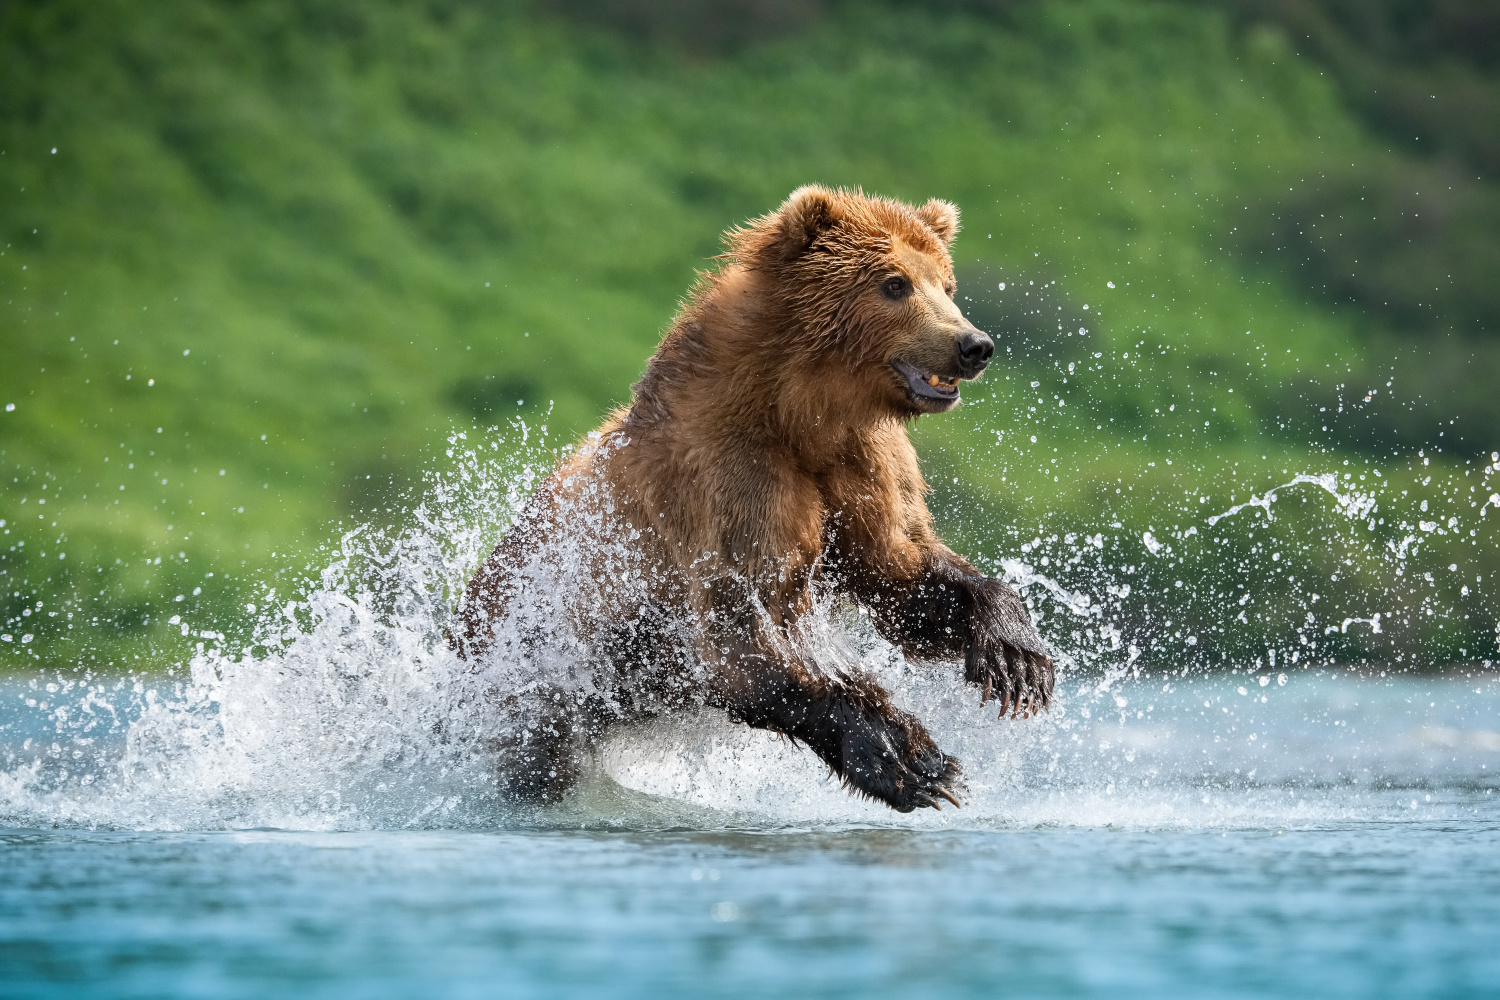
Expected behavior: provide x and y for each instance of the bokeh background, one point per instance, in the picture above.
(261, 260)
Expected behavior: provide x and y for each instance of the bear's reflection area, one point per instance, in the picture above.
(350, 711)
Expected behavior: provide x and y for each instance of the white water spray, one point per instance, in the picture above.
(350, 711)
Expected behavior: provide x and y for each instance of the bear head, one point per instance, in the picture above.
(869, 281)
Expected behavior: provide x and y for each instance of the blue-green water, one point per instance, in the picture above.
(1339, 838)
(1354, 909)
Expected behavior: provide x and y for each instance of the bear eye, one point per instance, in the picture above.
(896, 287)
(950, 288)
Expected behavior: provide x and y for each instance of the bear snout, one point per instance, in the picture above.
(974, 349)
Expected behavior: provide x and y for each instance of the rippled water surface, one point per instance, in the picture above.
(1340, 837)
(1377, 909)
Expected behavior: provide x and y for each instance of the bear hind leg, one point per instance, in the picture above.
(544, 757)
(538, 768)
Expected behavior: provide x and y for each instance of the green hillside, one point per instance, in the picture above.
(261, 259)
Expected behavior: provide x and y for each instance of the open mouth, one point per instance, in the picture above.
(926, 385)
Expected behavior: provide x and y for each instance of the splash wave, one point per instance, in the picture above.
(350, 711)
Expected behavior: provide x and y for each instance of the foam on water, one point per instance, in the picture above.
(349, 711)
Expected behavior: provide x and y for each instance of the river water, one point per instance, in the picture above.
(317, 813)
(1334, 835)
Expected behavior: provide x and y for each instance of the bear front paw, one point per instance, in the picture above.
(1004, 657)
(1022, 681)
(926, 781)
(891, 758)
(921, 782)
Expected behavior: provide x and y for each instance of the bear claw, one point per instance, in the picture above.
(1021, 680)
(932, 791)
(1003, 654)
(894, 760)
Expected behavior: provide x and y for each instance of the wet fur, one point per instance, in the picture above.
(765, 449)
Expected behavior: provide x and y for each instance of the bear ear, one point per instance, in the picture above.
(808, 212)
(941, 217)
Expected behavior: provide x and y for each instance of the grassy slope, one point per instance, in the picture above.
(321, 224)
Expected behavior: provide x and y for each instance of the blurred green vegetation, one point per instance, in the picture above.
(260, 259)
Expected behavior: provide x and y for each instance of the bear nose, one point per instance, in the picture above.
(974, 349)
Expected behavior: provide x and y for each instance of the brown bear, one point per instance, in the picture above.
(764, 455)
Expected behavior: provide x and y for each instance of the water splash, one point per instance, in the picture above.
(1353, 503)
(348, 710)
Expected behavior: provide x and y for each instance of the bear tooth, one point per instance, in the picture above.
(932, 380)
